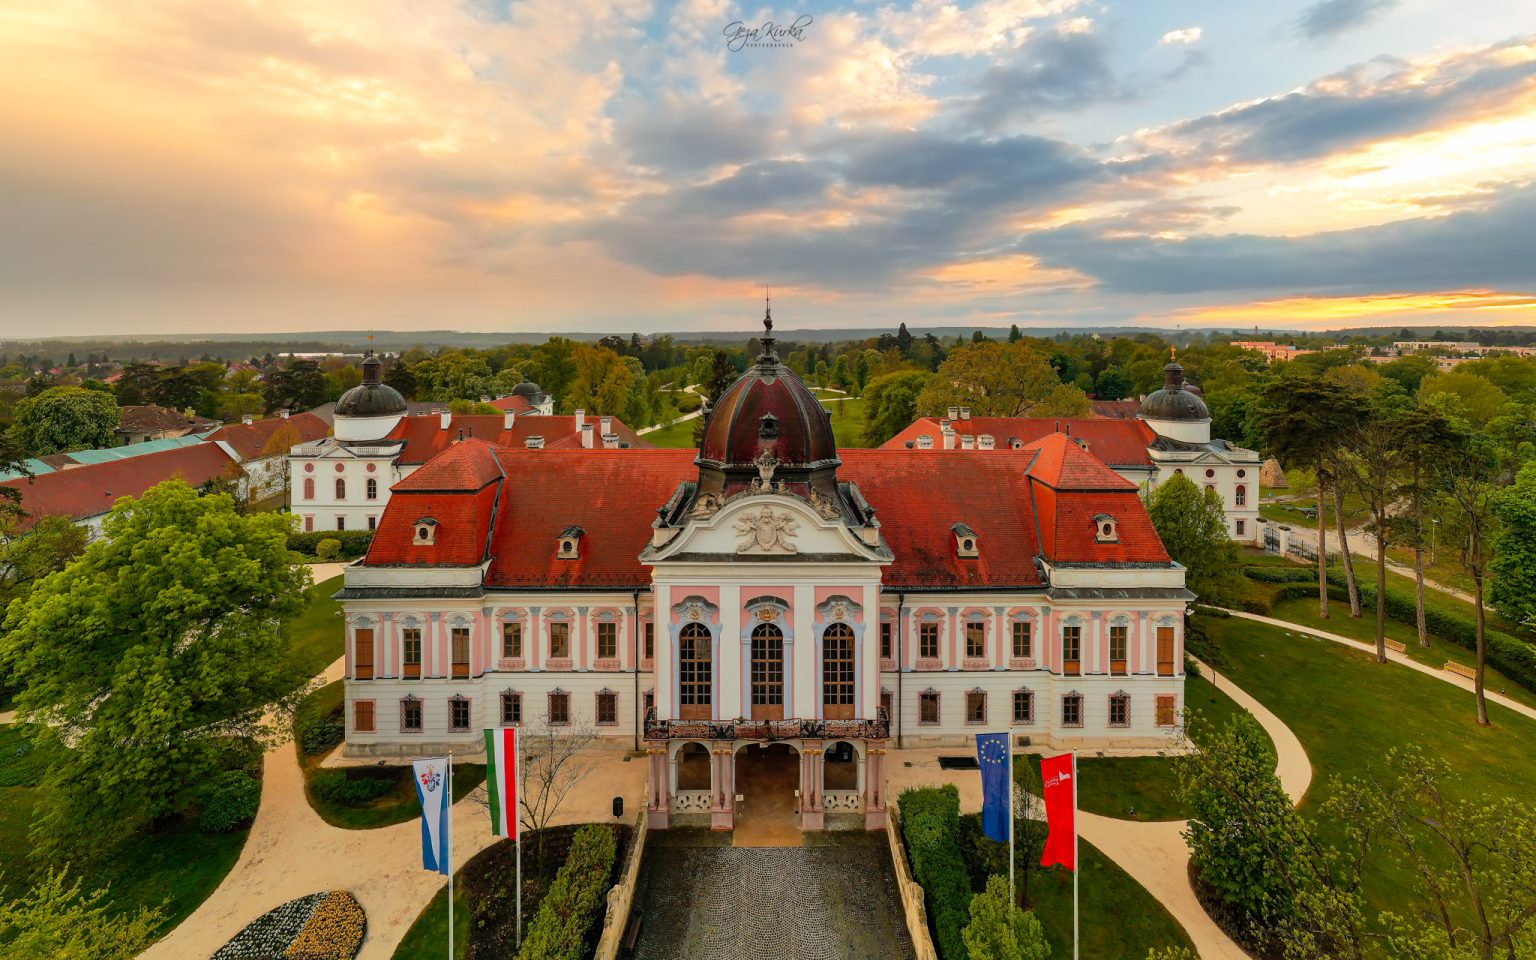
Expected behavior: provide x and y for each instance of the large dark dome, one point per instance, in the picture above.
(1174, 402)
(372, 397)
(527, 389)
(768, 410)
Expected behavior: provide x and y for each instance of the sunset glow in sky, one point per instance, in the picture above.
(595, 165)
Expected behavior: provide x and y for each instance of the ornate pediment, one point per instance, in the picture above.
(766, 531)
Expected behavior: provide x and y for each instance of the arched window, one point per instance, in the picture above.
(373, 489)
(767, 672)
(309, 488)
(695, 672)
(1242, 495)
(341, 489)
(837, 672)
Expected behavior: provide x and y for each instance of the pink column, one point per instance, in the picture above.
(429, 644)
(812, 812)
(658, 807)
(582, 639)
(722, 807)
(348, 644)
(1001, 639)
(384, 646)
(533, 645)
(874, 787)
(954, 638)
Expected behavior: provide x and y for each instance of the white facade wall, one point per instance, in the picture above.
(1225, 477)
(322, 509)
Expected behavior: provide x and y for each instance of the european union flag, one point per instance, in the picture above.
(996, 761)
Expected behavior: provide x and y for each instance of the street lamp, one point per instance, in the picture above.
(1434, 527)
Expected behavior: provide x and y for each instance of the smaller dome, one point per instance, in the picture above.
(372, 397)
(1175, 401)
(1194, 388)
(527, 389)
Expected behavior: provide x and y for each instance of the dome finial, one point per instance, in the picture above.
(1173, 353)
(767, 356)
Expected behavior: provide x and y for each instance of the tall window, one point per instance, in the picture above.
(410, 640)
(460, 644)
(607, 640)
(976, 706)
(928, 641)
(1023, 639)
(1242, 495)
(1072, 710)
(362, 716)
(1165, 651)
(1119, 709)
(607, 708)
(512, 641)
(1072, 650)
(975, 639)
(511, 708)
(373, 489)
(650, 641)
(559, 708)
(559, 640)
(767, 672)
(928, 706)
(837, 672)
(410, 715)
(458, 714)
(341, 489)
(695, 672)
(341, 522)
(887, 702)
(885, 641)
(309, 488)
(362, 653)
(373, 522)
(309, 523)
(1167, 710)
(1023, 706)
(1119, 643)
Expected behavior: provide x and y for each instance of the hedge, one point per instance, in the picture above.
(930, 825)
(230, 802)
(565, 920)
(1281, 574)
(354, 543)
(315, 728)
(340, 786)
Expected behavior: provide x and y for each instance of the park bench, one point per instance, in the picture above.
(1397, 645)
(1461, 670)
(631, 935)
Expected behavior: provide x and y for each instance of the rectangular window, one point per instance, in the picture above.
(1242, 526)
(559, 641)
(887, 703)
(309, 523)
(976, 706)
(373, 523)
(372, 489)
(362, 653)
(650, 641)
(928, 641)
(1167, 710)
(410, 639)
(559, 708)
(607, 640)
(460, 643)
(607, 709)
(1165, 651)
(649, 702)
(1119, 710)
(928, 707)
(1023, 639)
(1072, 710)
(1023, 706)
(410, 715)
(975, 639)
(885, 641)
(458, 715)
(1119, 644)
(512, 641)
(511, 708)
(362, 716)
(341, 523)
(1072, 650)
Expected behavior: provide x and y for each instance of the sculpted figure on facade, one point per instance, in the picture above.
(766, 532)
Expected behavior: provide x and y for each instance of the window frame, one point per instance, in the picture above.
(341, 488)
(459, 668)
(611, 628)
(562, 630)
(455, 703)
(371, 488)
(1166, 702)
(1027, 629)
(1072, 666)
(928, 631)
(1075, 699)
(1122, 701)
(408, 669)
(975, 639)
(1025, 696)
(512, 640)
(926, 698)
(357, 717)
(975, 707)
(563, 698)
(611, 698)
(406, 703)
(1120, 666)
(513, 699)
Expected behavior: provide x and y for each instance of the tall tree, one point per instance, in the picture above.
(47, 547)
(299, 386)
(1000, 380)
(1372, 462)
(65, 418)
(890, 404)
(1424, 432)
(1000, 930)
(1513, 591)
(1193, 528)
(142, 657)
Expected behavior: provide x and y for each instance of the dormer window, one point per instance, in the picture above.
(570, 543)
(925, 442)
(426, 532)
(768, 427)
(965, 541)
(1106, 529)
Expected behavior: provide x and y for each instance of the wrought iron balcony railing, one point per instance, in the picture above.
(767, 730)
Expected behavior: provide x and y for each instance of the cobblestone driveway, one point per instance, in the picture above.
(833, 899)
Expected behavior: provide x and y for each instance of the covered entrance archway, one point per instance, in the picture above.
(767, 780)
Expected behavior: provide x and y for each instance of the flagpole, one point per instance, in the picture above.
(1077, 863)
(448, 800)
(514, 822)
(1012, 899)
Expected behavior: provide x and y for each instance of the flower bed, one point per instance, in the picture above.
(321, 926)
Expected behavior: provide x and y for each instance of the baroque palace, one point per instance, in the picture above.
(765, 600)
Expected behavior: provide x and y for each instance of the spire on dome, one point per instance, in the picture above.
(767, 339)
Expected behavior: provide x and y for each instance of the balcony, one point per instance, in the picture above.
(767, 730)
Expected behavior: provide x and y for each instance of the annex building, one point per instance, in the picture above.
(767, 601)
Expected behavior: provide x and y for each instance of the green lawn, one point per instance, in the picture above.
(848, 418)
(1119, 918)
(1348, 711)
(428, 937)
(676, 435)
(1145, 788)
(316, 633)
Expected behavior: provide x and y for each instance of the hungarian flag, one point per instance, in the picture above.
(1060, 776)
(501, 780)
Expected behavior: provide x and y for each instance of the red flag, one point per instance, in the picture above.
(1060, 811)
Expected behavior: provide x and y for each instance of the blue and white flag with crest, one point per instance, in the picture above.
(431, 775)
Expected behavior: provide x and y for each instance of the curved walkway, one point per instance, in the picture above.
(685, 417)
(1393, 656)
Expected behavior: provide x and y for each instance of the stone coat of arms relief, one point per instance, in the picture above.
(766, 532)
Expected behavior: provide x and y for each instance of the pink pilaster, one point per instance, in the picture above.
(874, 786)
(658, 807)
(812, 811)
(722, 806)
(533, 643)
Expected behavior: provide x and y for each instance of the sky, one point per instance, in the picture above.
(175, 166)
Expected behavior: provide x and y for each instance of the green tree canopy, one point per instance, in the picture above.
(61, 419)
(1193, 528)
(1000, 930)
(1480, 400)
(1513, 589)
(55, 921)
(143, 656)
(890, 403)
(1001, 380)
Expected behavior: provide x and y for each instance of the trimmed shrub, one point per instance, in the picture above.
(344, 787)
(318, 724)
(229, 803)
(328, 549)
(565, 921)
(354, 543)
(930, 825)
(1280, 574)
(687, 402)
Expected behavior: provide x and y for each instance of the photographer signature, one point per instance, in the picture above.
(770, 34)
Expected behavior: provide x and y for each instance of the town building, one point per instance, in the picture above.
(151, 422)
(1170, 435)
(767, 609)
(344, 481)
(1273, 352)
(263, 445)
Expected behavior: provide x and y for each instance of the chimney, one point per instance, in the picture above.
(610, 441)
(924, 442)
(965, 413)
(954, 413)
(986, 442)
(509, 419)
(247, 419)
(607, 425)
(534, 443)
(283, 413)
(949, 437)
(587, 429)
(967, 442)
(581, 419)
(444, 418)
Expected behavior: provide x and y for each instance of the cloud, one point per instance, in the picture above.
(1183, 37)
(691, 137)
(1326, 19)
(1052, 72)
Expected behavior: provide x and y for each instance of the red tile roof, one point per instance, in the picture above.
(152, 418)
(425, 436)
(1118, 443)
(89, 491)
(515, 403)
(250, 440)
(1060, 462)
(467, 465)
(1116, 409)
